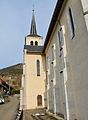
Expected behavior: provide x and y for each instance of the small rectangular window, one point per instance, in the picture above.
(38, 68)
(62, 60)
(47, 62)
(52, 53)
(61, 38)
(46, 77)
(72, 27)
(61, 52)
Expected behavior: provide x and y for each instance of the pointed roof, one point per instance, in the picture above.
(33, 30)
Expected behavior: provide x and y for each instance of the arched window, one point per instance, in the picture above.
(36, 43)
(31, 43)
(38, 68)
(39, 100)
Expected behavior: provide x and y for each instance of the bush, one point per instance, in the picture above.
(15, 92)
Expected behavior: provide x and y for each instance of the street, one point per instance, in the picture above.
(8, 110)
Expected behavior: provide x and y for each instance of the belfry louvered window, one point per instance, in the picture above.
(36, 43)
(31, 43)
(38, 68)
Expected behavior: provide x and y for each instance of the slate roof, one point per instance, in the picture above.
(5, 85)
(33, 30)
(33, 35)
(33, 49)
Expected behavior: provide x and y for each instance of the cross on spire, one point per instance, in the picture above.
(33, 8)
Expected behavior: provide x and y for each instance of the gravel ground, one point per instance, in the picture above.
(37, 114)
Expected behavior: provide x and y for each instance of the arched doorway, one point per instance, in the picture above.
(39, 100)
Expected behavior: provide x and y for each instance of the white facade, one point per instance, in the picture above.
(33, 85)
(55, 79)
(67, 73)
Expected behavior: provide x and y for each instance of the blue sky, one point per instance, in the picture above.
(15, 20)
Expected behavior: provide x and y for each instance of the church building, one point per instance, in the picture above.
(55, 75)
(33, 81)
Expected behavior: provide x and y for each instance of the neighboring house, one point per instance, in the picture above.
(4, 87)
(33, 81)
(64, 59)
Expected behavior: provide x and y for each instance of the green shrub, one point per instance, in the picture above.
(15, 92)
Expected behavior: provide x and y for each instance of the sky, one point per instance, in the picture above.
(15, 21)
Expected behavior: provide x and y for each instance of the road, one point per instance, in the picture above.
(8, 110)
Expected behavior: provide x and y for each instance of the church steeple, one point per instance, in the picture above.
(33, 30)
(33, 38)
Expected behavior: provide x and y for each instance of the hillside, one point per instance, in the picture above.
(12, 70)
(12, 75)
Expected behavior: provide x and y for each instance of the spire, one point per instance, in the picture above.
(33, 30)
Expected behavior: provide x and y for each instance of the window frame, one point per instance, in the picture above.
(53, 56)
(38, 67)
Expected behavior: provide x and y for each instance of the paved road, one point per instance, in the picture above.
(8, 110)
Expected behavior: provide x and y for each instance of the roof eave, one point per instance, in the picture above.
(53, 21)
(35, 52)
(33, 35)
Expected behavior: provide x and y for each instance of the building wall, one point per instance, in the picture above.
(70, 72)
(35, 85)
(55, 82)
(77, 62)
(32, 38)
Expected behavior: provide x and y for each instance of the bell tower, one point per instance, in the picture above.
(33, 38)
(33, 70)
